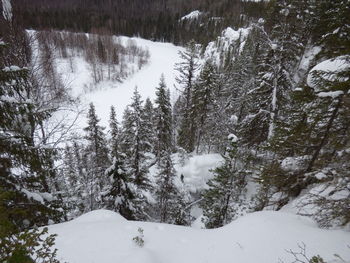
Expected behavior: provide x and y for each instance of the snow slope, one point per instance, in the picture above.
(105, 237)
(163, 57)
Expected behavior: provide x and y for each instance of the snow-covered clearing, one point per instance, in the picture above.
(105, 237)
(163, 57)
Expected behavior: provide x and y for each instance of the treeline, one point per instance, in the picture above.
(156, 20)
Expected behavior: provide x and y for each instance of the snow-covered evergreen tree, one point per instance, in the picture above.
(149, 126)
(204, 90)
(223, 201)
(114, 132)
(137, 159)
(117, 195)
(187, 70)
(163, 118)
(166, 191)
(96, 154)
(25, 165)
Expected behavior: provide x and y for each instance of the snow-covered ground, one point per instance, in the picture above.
(196, 170)
(105, 237)
(163, 57)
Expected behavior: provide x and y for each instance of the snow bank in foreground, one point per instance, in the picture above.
(259, 237)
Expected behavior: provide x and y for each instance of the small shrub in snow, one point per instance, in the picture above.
(139, 238)
(302, 257)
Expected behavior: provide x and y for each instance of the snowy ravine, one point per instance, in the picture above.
(105, 237)
(163, 57)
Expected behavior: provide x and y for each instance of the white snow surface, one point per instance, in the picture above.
(330, 66)
(332, 94)
(192, 16)
(294, 163)
(163, 57)
(232, 137)
(105, 237)
(197, 170)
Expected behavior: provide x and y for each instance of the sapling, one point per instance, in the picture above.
(139, 238)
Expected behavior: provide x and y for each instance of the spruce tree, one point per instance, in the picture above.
(315, 131)
(117, 195)
(163, 118)
(127, 133)
(137, 157)
(70, 182)
(114, 132)
(204, 90)
(96, 154)
(221, 202)
(26, 166)
(25, 199)
(148, 116)
(187, 70)
(133, 144)
(166, 191)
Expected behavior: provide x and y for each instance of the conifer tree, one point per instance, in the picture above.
(25, 199)
(117, 195)
(26, 165)
(148, 116)
(187, 69)
(204, 90)
(282, 50)
(96, 154)
(83, 187)
(133, 142)
(70, 183)
(163, 118)
(126, 133)
(114, 130)
(137, 159)
(18, 150)
(314, 132)
(170, 205)
(166, 191)
(222, 200)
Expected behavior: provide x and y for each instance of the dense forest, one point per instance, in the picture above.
(151, 19)
(274, 102)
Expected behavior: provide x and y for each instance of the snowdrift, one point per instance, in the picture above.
(104, 237)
